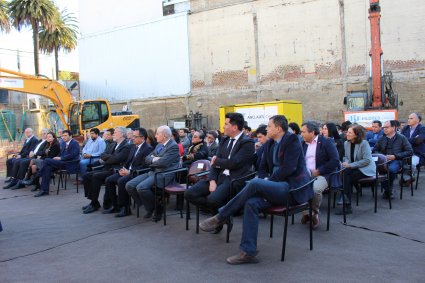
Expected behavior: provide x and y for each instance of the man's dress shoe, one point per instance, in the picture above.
(242, 258)
(124, 211)
(86, 206)
(41, 193)
(91, 208)
(111, 210)
(18, 185)
(11, 184)
(8, 180)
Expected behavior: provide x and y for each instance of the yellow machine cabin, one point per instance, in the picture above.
(259, 113)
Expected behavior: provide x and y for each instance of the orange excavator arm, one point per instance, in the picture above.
(38, 85)
(376, 53)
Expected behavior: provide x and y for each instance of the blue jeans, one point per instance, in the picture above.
(256, 196)
(393, 167)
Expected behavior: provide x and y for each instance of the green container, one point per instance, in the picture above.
(7, 121)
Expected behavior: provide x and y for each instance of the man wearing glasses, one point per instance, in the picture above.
(396, 147)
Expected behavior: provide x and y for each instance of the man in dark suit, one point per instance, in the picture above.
(234, 159)
(282, 169)
(93, 180)
(322, 159)
(415, 134)
(135, 161)
(13, 164)
(70, 151)
(165, 157)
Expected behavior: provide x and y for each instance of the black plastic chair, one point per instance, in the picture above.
(64, 174)
(382, 174)
(333, 190)
(406, 175)
(418, 168)
(290, 210)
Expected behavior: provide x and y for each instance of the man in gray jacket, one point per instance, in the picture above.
(396, 147)
(165, 157)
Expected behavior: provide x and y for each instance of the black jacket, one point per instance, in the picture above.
(46, 151)
(28, 147)
(401, 146)
(138, 162)
(118, 156)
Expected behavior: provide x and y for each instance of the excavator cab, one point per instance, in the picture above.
(85, 115)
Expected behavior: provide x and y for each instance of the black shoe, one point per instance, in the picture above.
(91, 208)
(111, 210)
(19, 185)
(106, 206)
(36, 188)
(8, 180)
(157, 217)
(86, 206)
(41, 193)
(124, 211)
(11, 184)
(348, 210)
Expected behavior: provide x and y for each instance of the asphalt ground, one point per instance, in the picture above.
(49, 239)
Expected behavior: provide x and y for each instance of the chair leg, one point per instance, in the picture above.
(310, 212)
(285, 230)
(76, 177)
(66, 179)
(343, 208)
(59, 181)
(197, 219)
(229, 221)
(138, 209)
(418, 168)
(329, 210)
(271, 225)
(335, 194)
(164, 209)
(292, 221)
(401, 188)
(187, 215)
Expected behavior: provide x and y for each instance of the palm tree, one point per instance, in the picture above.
(4, 18)
(33, 13)
(63, 36)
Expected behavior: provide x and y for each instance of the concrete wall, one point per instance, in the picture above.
(312, 51)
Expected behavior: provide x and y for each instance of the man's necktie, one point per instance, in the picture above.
(230, 147)
(159, 148)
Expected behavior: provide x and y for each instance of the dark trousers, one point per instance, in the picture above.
(9, 166)
(21, 168)
(113, 181)
(351, 176)
(200, 195)
(93, 181)
(50, 165)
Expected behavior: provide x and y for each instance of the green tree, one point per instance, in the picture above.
(34, 13)
(4, 18)
(62, 36)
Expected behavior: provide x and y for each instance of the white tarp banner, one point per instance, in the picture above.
(257, 115)
(13, 83)
(365, 118)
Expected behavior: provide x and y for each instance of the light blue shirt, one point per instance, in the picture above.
(95, 147)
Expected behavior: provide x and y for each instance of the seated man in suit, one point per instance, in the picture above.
(70, 150)
(135, 161)
(165, 157)
(234, 159)
(415, 134)
(20, 166)
(282, 169)
(94, 147)
(93, 180)
(322, 159)
(396, 147)
(13, 164)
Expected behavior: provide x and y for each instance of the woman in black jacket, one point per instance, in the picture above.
(49, 150)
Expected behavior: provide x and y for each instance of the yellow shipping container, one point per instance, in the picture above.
(259, 113)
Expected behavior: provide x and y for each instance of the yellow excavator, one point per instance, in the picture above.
(77, 116)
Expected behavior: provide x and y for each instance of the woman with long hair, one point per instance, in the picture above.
(329, 130)
(358, 161)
